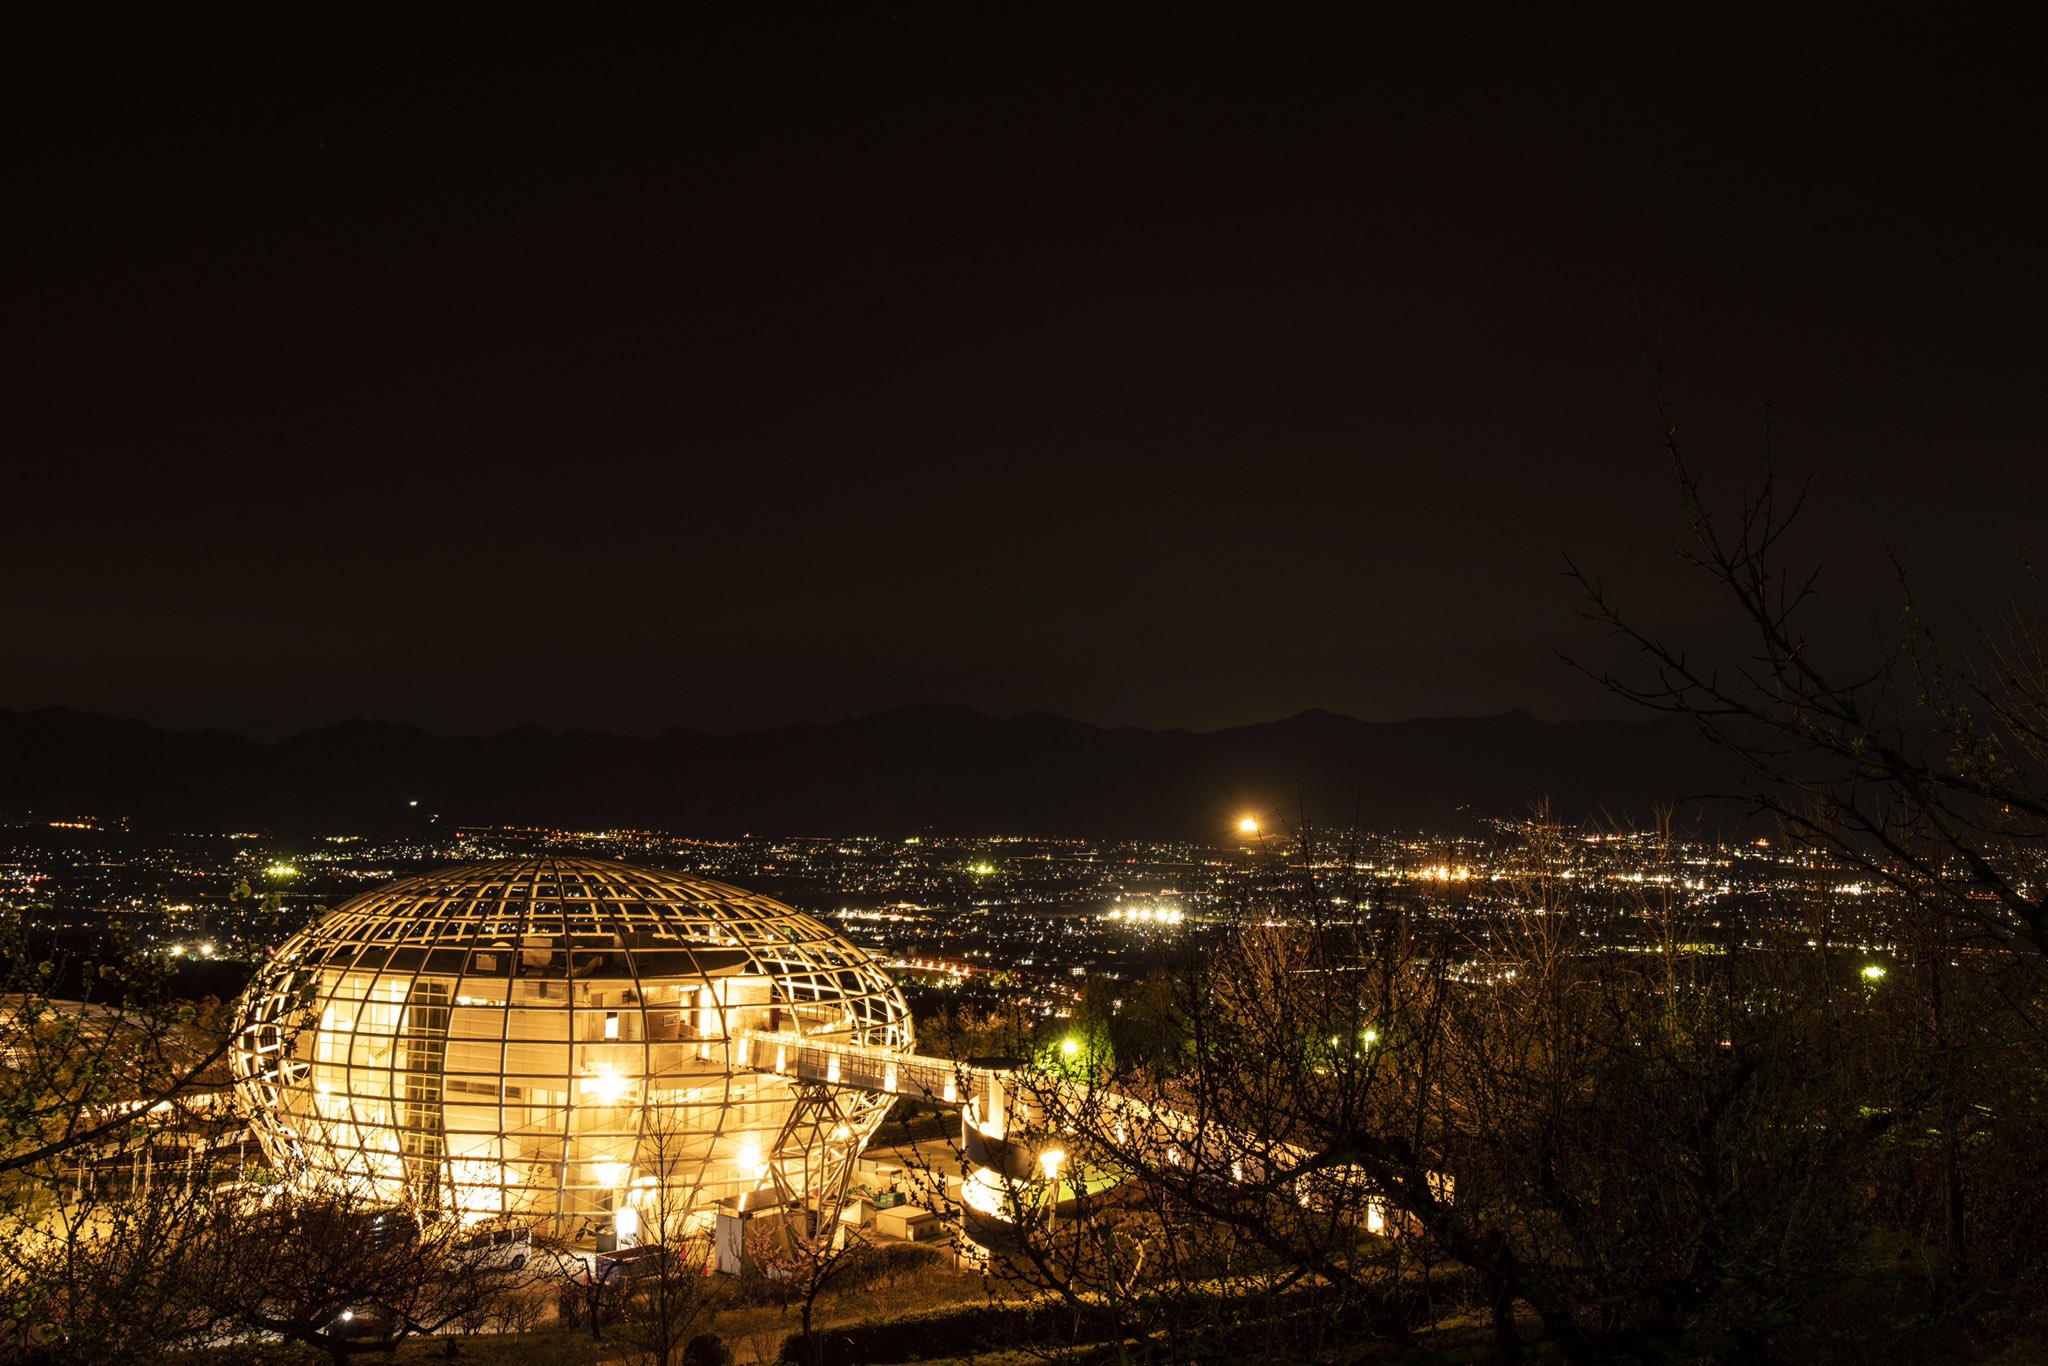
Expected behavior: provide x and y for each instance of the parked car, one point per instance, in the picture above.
(506, 1247)
(361, 1323)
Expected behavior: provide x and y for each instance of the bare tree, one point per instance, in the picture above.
(1922, 767)
(803, 1250)
(1576, 1098)
(89, 1041)
(1171, 1196)
(669, 1291)
(111, 1103)
(346, 1275)
(96, 1262)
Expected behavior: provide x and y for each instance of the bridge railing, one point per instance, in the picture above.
(999, 1106)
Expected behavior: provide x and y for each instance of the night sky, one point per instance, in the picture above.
(1166, 377)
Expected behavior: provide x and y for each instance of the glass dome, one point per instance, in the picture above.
(556, 1040)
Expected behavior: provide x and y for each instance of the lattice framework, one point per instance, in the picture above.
(553, 1040)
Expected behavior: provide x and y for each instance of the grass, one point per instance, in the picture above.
(752, 1327)
(754, 1332)
(541, 1347)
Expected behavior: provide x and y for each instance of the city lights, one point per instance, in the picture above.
(1040, 920)
(840, 507)
(1146, 915)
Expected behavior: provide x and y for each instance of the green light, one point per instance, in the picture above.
(1873, 972)
(1070, 1048)
(1369, 1037)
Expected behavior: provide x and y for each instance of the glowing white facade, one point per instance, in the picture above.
(558, 1040)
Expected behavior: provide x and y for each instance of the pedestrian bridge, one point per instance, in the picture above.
(1012, 1122)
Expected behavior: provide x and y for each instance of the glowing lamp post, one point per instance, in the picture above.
(1050, 1160)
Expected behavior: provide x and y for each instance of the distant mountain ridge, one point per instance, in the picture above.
(939, 768)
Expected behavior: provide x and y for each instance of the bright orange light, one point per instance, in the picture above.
(607, 1084)
(1248, 826)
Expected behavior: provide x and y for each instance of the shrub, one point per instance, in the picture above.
(707, 1349)
(955, 1333)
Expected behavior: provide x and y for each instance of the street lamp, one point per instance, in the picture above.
(1050, 1160)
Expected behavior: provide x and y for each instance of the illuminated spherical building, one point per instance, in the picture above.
(556, 1040)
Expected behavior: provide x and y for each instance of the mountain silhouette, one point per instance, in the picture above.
(925, 768)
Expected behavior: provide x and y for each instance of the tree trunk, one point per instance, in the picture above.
(1505, 1339)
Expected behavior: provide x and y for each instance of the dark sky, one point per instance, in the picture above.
(1169, 377)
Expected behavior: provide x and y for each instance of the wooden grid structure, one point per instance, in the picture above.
(560, 1040)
